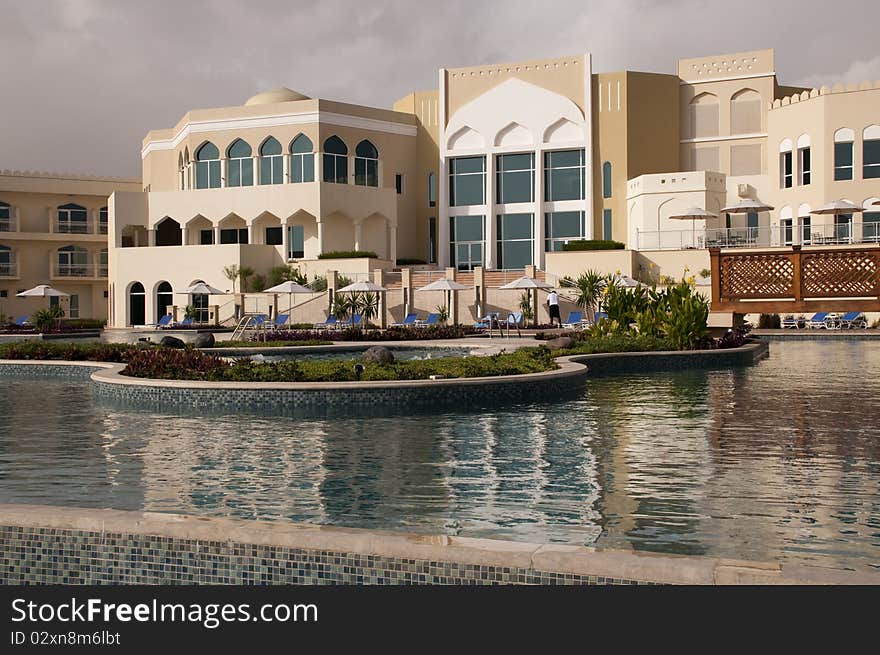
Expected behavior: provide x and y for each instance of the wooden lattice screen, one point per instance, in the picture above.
(796, 280)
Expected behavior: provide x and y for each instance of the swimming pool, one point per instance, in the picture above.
(776, 461)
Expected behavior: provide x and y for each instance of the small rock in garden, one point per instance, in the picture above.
(378, 354)
(559, 343)
(172, 342)
(205, 340)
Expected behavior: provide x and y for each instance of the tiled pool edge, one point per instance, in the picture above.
(572, 373)
(62, 545)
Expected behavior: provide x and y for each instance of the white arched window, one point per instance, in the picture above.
(871, 152)
(335, 161)
(804, 159)
(208, 167)
(366, 164)
(240, 164)
(7, 262)
(302, 160)
(5, 217)
(786, 165)
(73, 261)
(786, 226)
(73, 219)
(804, 220)
(271, 165)
(843, 153)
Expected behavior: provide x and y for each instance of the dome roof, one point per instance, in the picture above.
(281, 94)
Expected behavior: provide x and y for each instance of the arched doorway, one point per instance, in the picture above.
(164, 299)
(168, 233)
(137, 304)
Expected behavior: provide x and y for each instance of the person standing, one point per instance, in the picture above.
(553, 306)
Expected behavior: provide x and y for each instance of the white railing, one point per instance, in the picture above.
(759, 237)
(8, 224)
(77, 270)
(8, 269)
(78, 227)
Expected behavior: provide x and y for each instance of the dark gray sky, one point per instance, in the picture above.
(82, 81)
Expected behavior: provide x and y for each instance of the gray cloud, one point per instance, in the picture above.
(84, 80)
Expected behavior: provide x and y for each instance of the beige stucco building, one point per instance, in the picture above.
(494, 170)
(53, 230)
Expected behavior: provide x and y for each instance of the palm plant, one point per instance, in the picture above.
(588, 287)
(525, 306)
(231, 272)
(244, 273)
(369, 306)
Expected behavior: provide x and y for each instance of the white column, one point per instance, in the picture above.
(320, 237)
(256, 173)
(216, 234)
(151, 237)
(285, 248)
(491, 236)
(538, 256)
(223, 172)
(285, 168)
(92, 227)
(250, 232)
(442, 214)
(351, 169)
(357, 235)
(50, 212)
(183, 237)
(380, 174)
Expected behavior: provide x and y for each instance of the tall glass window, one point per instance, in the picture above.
(806, 230)
(515, 178)
(871, 226)
(272, 236)
(335, 161)
(606, 179)
(787, 231)
(7, 262)
(871, 158)
(466, 238)
(271, 166)
(564, 175)
(516, 237)
(607, 224)
(73, 261)
(562, 227)
(843, 161)
(786, 172)
(102, 263)
(234, 235)
(208, 167)
(73, 219)
(5, 217)
(467, 181)
(103, 217)
(302, 160)
(432, 190)
(240, 164)
(432, 240)
(366, 164)
(805, 164)
(296, 239)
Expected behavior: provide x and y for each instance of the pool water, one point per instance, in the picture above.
(779, 461)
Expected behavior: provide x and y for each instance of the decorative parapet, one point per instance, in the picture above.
(68, 176)
(822, 91)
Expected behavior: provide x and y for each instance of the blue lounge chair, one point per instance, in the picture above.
(515, 319)
(184, 323)
(355, 321)
(410, 320)
(601, 316)
(790, 322)
(852, 320)
(575, 319)
(21, 320)
(164, 321)
(329, 324)
(818, 320)
(281, 320)
(433, 319)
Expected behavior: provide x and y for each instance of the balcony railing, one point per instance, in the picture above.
(60, 270)
(8, 224)
(760, 237)
(79, 227)
(8, 269)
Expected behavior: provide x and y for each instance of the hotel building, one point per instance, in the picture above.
(492, 171)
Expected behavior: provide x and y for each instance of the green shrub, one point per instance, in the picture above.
(769, 322)
(593, 244)
(83, 323)
(94, 352)
(348, 254)
(47, 319)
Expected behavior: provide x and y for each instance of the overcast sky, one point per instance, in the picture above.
(82, 81)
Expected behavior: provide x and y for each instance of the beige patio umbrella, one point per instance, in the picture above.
(447, 285)
(290, 288)
(694, 214)
(836, 208)
(526, 282)
(747, 205)
(364, 286)
(43, 291)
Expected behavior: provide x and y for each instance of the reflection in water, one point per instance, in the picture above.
(776, 461)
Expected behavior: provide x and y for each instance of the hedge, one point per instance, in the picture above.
(348, 254)
(594, 244)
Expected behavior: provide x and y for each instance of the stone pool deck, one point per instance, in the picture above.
(869, 334)
(62, 545)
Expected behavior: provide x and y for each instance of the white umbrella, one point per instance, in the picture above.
(447, 285)
(749, 205)
(624, 281)
(202, 289)
(694, 214)
(289, 288)
(42, 291)
(361, 286)
(838, 207)
(526, 282)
